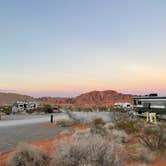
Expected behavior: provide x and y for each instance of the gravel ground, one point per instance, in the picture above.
(11, 136)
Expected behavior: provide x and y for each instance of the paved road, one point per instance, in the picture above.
(25, 128)
(14, 120)
(10, 136)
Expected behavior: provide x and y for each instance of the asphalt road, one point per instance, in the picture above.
(28, 128)
(10, 136)
(14, 120)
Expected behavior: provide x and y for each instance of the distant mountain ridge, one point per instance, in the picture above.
(93, 98)
(10, 98)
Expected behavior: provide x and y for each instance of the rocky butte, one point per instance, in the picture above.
(94, 98)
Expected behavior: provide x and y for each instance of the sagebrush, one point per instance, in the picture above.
(94, 151)
(28, 155)
(154, 137)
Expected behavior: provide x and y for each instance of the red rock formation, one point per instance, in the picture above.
(56, 100)
(94, 98)
(108, 97)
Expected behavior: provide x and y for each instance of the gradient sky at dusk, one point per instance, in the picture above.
(66, 47)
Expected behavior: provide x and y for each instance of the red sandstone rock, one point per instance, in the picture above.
(94, 98)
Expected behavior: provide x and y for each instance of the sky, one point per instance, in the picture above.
(67, 47)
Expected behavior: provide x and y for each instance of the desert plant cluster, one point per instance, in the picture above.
(28, 155)
(93, 151)
(101, 144)
(154, 137)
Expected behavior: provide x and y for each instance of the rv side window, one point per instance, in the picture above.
(139, 103)
(147, 105)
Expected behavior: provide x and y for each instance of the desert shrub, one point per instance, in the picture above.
(64, 122)
(118, 136)
(98, 121)
(77, 109)
(6, 110)
(147, 156)
(142, 154)
(103, 108)
(31, 111)
(109, 132)
(93, 151)
(98, 130)
(154, 137)
(109, 126)
(128, 125)
(47, 108)
(97, 127)
(111, 109)
(28, 155)
(82, 134)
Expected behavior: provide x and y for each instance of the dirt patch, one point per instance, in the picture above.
(4, 157)
(159, 163)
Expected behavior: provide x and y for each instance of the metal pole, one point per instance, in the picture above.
(52, 118)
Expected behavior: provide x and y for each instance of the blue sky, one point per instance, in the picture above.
(66, 47)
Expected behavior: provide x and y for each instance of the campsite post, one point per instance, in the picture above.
(52, 118)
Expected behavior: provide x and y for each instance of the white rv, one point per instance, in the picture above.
(21, 106)
(123, 105)
(150, 103)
